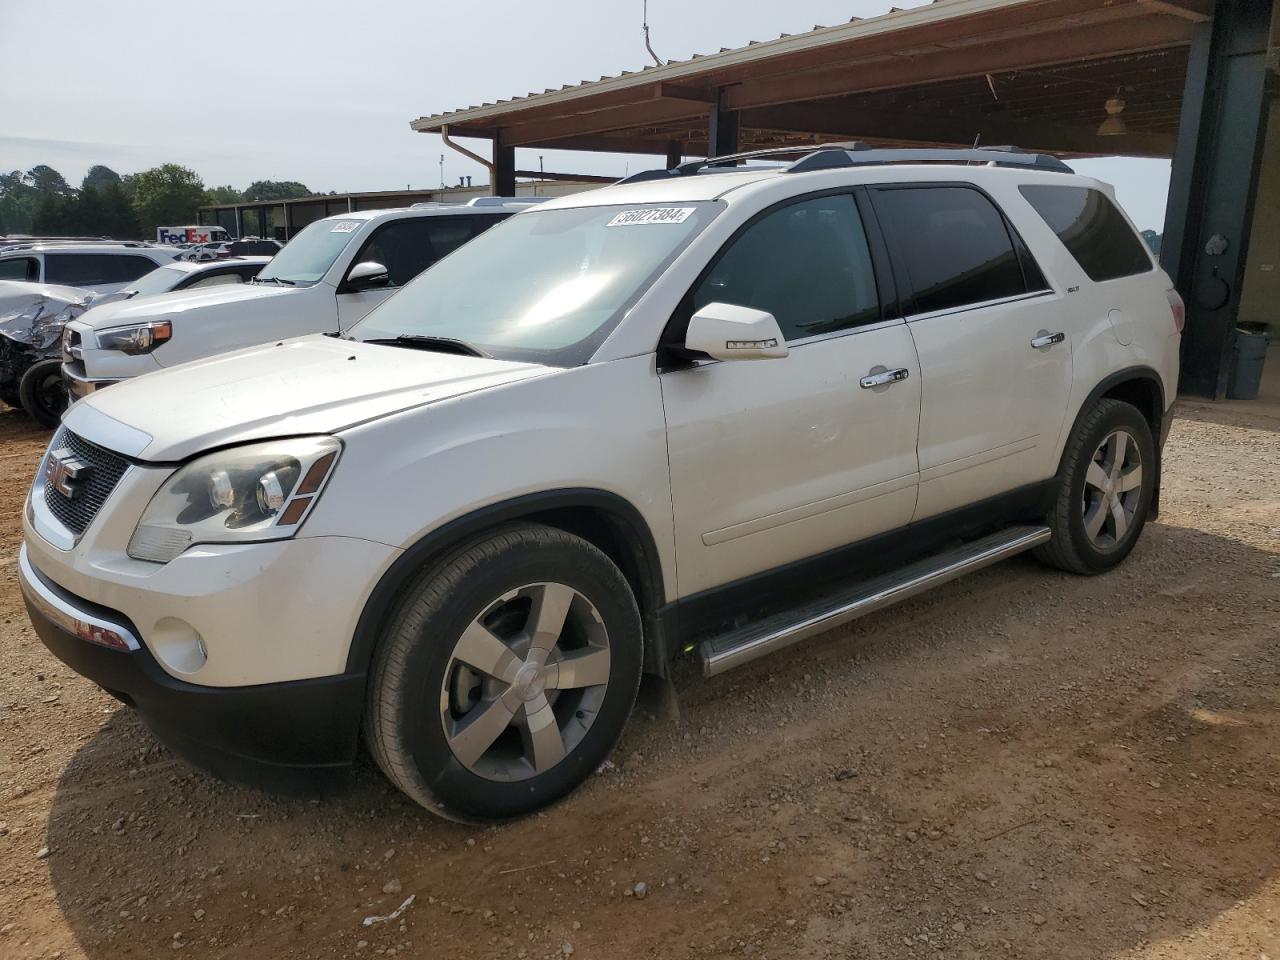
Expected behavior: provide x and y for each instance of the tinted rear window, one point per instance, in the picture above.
(80, 269)
(955, 244)
(1092, 229)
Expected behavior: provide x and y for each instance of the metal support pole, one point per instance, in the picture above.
(503, 181)
(1213, 186)
(673, 154)
(722, 130)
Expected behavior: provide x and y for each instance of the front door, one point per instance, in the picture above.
(777, 460)
(994, 344)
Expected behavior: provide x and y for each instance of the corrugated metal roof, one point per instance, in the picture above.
(819, 36)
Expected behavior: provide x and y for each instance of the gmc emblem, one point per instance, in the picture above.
(65, 473)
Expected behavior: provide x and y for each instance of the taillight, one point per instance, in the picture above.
(1178, 308)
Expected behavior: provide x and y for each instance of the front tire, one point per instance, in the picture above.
(1105, 490)
(505, 675)
(42, 393)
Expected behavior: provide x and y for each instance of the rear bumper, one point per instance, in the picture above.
(297, 737)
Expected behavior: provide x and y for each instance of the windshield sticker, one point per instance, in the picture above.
(631, 218)
(345, 226)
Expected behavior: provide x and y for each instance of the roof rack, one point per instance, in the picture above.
(479, 202)
(829, 156)
(69, 241)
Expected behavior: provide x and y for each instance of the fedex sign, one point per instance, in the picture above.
(189, 234)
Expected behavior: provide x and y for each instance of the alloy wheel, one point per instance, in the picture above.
(525, 682)
(1112, 489)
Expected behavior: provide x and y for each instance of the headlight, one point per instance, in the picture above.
(136, 338)
(262, 491)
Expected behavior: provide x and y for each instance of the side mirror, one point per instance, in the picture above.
(367, 274)
(724, 331)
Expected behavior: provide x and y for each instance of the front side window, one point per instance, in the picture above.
(407, 247)
(306, 258)
(1092, 230)
(954, 244)
(807, 263)
(20, 268)
(546, 286)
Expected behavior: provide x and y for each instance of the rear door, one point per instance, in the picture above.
(993, 341)
(778, 460)
(405, 247)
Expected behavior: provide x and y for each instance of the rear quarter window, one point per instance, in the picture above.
(1092, 229)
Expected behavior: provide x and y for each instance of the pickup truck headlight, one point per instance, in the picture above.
(262, 491)
(136, 338)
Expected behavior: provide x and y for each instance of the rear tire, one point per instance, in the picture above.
(42, 393)
(1105, 490)
(505, 674)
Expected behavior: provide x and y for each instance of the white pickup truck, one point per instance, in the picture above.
(325, 279)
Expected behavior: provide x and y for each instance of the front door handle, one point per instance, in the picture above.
(879, 379)
(1046, 339)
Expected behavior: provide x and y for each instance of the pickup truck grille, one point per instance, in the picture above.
(104, 471)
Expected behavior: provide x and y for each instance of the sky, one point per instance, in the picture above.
(322, 92)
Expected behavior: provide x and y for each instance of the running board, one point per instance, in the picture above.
(733, 649)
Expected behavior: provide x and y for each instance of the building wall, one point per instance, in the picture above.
(1260, 297)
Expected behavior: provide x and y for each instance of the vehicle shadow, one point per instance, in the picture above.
(1100, 791)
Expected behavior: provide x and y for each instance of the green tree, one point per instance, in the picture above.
(166, 195)
(98, 177)
(119, 219)
(55, 216)
(89, 214)
(49, 181)
(227, 194)
(275, 190)
(18, 200)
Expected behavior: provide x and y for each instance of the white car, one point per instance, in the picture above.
(325, 279)
(97, 265)
(711, 410)
(187, 275)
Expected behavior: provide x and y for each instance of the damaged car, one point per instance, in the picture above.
(32, 316)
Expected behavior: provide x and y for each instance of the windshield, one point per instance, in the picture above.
(161, 280)
(308, 256)
(546, 286)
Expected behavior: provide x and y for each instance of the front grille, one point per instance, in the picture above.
(105, 470)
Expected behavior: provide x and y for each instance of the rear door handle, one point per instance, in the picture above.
(1047, 339)
(883, 377)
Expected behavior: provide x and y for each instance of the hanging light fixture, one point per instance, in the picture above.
(1114, 125)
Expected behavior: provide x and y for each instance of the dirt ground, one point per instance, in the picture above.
(1023, 764)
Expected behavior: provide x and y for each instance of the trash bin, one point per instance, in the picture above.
(1246, 365)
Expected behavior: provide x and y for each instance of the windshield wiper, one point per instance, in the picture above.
(287, 283)
(416, 341)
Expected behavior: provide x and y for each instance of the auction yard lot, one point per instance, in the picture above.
(1022, 764)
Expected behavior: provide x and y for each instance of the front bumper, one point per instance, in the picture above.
(78, 386)
(296, 737)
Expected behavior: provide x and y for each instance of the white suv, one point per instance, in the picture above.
(325, 279)
(97, 265)
(468, 526)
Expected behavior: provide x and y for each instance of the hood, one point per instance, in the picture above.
(309, 385)
(173, 305)
(35, 313)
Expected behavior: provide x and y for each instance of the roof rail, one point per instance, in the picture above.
(829, 156)
(69, 242)
(502, 201)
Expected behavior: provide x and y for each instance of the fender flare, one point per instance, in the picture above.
(623, 516)
(1160, 418)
